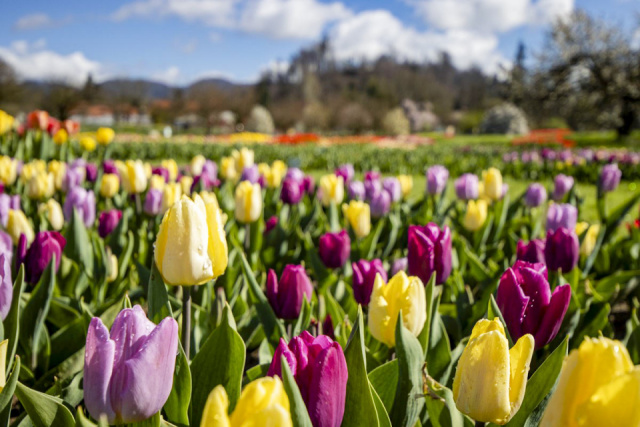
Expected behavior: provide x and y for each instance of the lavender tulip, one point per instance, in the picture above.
(400, 264)
(562, 250)
(505, 190)
(36, 259)
(372, 184)
(6, 246)
(609, 177)
(72, 178)
(84, 202)
(108, 221)
(562, 185)
(320, 370)
(6, 285)
(286, 295)
(346, 171)
(561, 215)
(296, 174)
(5, 207)
(467, 187)
(250, 174)
(334, 249)
(291, 192)
(153, 202)
(429, 252)
(355, 189)
(532, 252)
(392, 186)
(364, 274)
(380, 204)
(535, 196)
(527, 304)
(210, 170)
(437, 177)
(128, 372)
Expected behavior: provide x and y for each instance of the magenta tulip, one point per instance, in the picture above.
(531, 252)
(562, 250)
(430, 252)
(364, 274)
(334, 249)
(286, 296)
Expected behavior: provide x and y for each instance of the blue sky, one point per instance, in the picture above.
(179, 41)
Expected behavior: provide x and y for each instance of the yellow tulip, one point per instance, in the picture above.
(359, 216)
(133, 176)
(248, 202)
(156, 182)
(589, 241)
(331, 189)
(53, 213)
(402, 293)
(32, 168)
(41, 186)
(196, 165)
(228, 169)
(243, 158)
(8, 170)
(263, 402)
(172, 167)
(490, 379)
(88, 143)
(186, 182)
(59, 171)
(598, 386)
(3, 363)
(105, 136)
(210, 198)
(170, 195)
(60, 137)
(492, 183)
(191, 246)
(6, 122)
(264, 169)
(274, 174)
(406, 184)
(17, 225)
(113, 268)
(476, 215)
(110, 185)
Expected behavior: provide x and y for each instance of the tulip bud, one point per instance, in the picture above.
(320, 370)
(59, 170)
(295, 174)
(359, 217)
(6, 246)
(437, 177)
(400, 264)
(331, 189)
(87, 143)
(110, 185)
(153, 202)
(113, 268)
(355, 189)
(392, 186)
(270, 224)
(159, 172)
(291, 192)
(364, 275)
(6, 296)
(248, 202)
(104, 136)
(380, 204)
(535, 196)
(562, 250)
(491, 380)
(334, 249)
(609, 177)
(196, 165)
(41, 185)
(243, 158)
(108, 221)
(84, 202)
(109, 166)
(372, 184)
(171, 193)
(18, 224)
(45, 245)
(562, 185)
(191, 246)
(475, 215)
(309, 184)
(250, 174)
(133, 176)
(590, 238)
(561, 215)
(128, 372)
(8, 170)
(532, 252)
(186, 182)
(275, 174)
(492, 184)
(406, 184)
(429, 252)
(60, 137)
(53, 213)
(286, 295)
(91, 172)
(228, 169)
(346, 171)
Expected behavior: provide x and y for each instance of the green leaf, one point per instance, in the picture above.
(81, 419)
(383, 415)
(177, 405)
(303, 320)
(540, 385)
(157, 297)
(493, 311)
(44, 410)
(441, 406)
(384, 380)
(299, 414)
(78, 246)
(220, 361)
(6, 395)
(409, 400)
(12, 321)
(431, 305)
(125, 256)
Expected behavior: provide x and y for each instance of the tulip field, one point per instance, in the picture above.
(264, 285)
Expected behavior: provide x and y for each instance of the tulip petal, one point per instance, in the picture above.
(215, 410)
(98, 366)
(263, 402)
(218, 250)
(536, 287)
(553, 316)
(272, 291)
(512, 302)
(519, 360)
(275, 369)
(327, 390)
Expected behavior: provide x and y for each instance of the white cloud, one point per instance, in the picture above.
(170, 76)
(210, 12)
(290, 19)
(635, 40)
(33, 62)
(34, 21)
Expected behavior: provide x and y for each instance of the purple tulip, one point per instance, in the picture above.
(346, 171)
(250, 174)
(163, 172)
(291, 192)
(392, 186)
(372, 184)
(535, 196)
(364, 274)
(562, 250)
(437, 177)
(153, 202)
(320, 370)
(467, 187)
(210, 170)
(91, 172)
(109, 166)
(429, 251)
(72, 178)
(527, 304)
(84, 202)
(5, 207)
(380, 204)
(6, 246)
(6, 285)
(609, 177)
(400, 264)
(309, 184)
(108, 221)
(334, 249)
(286, 295)
(128, 373)
(45, 245)
(532, 252)
(296, 174)
(356, 190)
(270, 224)
(562, 184)
(327, 327)
(562, 215)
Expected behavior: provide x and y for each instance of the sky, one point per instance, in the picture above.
(180, 41)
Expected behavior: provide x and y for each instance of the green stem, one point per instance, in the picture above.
(186, 320)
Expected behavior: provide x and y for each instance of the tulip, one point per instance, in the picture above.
(346, 171)
(84, 202)
(38, 119)
(355, 189)
(535, 196)
(402, 293)
(250, 174)
(72, 178)
(270, 224)
(71, 126)
(8, 170)
(104, 136)
(113, 268)
(171, 193)
(210, 171)
(532, 252)
(392, 186)
(291, 192)
(161, 173)
(562, 185)
(128, 372)
(286, 295)
(29, 170)
(6, 296)
(331, 189)
(248, 202)
(7, 203)
(505, 190)
(262, 402)
(475, 215)
(196, 165)
(561, 215)
(320, 370)
(133, 176)
(308, 184)
(598, 386)
(60, 137)
(171, 166)
(53, 126)
(191, 246)
(228, 169)
(18, 224)
(492, 184)
(153, 202)
(110, 185)
(87, 143)
(562, 250)
(429, 252)
(380, 204)
(437, 177)
(275, 174)
(59, 170)
(53, 213)
(108, 221)
(359, 217)
(491, 380)
(609, 177)
(296, 174)
(406, 184)
(41, 185)
(334, 249)
(91, 172)
(400, 264)
(243, 158)
(45, 245)
(527, 304)
(372, 184)
(6, 122)
(6, 246)
(590, 238)
(108, 166)
(364, 275)
(186, 182)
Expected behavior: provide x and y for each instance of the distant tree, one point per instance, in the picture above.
(10, 90)
(61, 99)
(90, 90)
(396, 123)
